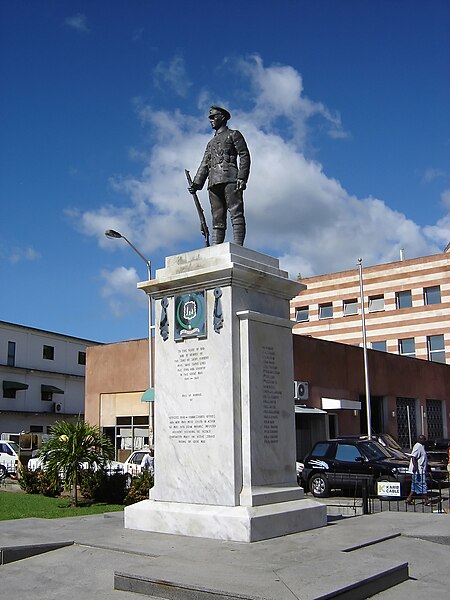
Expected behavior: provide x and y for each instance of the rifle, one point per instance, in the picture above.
(203, 225)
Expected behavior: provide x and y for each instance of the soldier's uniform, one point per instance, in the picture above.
(220, 166)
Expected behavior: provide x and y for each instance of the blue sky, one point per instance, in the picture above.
(345, 107)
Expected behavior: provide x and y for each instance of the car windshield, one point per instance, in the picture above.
(137, 458)
(374, 451)
(387, 440)
(14, 446)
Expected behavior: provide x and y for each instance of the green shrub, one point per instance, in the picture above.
(40, 482)
(101, 486)
(50, 484)
(140, 488)
(29, 481)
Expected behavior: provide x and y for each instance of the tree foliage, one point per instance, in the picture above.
(72, 447)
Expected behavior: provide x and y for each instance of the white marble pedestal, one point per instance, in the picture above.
(224, 418)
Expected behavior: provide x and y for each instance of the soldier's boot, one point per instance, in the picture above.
(239, 231)
(218, 235)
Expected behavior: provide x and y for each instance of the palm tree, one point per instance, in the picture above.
(73, 446)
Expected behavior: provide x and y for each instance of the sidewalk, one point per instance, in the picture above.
(350, 556)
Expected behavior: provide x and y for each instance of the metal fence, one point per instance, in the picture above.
(362, 499)
(438, 500)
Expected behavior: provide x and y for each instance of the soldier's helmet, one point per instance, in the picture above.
(220, 109)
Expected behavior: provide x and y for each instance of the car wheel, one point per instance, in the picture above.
(319, 486)
(3, 472)
(128, 479)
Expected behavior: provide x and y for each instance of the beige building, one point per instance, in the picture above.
(116, 382)
(406, 305)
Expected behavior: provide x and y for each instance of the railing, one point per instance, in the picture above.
(438, 500)
(362, 499)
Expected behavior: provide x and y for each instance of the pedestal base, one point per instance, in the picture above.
(234, 523)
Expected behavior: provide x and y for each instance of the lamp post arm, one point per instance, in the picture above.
(147, 262)
(111, 233)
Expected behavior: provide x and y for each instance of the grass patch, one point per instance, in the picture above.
(14, 505)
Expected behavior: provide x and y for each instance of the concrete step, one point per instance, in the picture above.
(9, 554)
(343, 575)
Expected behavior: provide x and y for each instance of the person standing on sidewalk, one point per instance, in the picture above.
(418, 467)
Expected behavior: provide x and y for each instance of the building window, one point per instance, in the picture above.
(36, 429)
(376, 303)
(403, 299)
(302, 314)
(436, 348)
(432, 295)
(11, 354)
(47, 392)
(81, 358)
(350, 307)
(407, 347)
(326, 311)
(380, 346)
(406, 422)
(130, 433)
(11, 387)
(48, 352)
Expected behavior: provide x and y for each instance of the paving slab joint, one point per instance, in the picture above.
(372, 542)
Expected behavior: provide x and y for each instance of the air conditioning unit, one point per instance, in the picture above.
(57, 407)
(301, 390)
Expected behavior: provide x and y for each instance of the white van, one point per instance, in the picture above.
(9, 459)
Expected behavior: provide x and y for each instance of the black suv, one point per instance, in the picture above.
(347, 463)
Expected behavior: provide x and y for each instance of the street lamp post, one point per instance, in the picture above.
(366, 363)
(112, 234)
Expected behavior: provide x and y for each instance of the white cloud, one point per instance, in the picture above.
(279, 94)
(18, 254)
(173, 75)
(119, 289)
(440, 232)
(78, 22)
(294, 210)
(445, 199)
(431, 174)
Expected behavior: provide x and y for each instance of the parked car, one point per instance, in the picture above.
(347, 463)
(299, 469)
(9, 459)
(133, 463)
(36, 463)
(437, 451)
(131, 467)
(437, 460)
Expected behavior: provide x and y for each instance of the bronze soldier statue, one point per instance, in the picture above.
(226, 179)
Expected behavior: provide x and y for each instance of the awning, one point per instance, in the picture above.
(308, 410)
(148, 395)
(14, 385)
(337, 404)
(51, 389)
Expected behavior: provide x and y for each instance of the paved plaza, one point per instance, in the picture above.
(350, 556)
